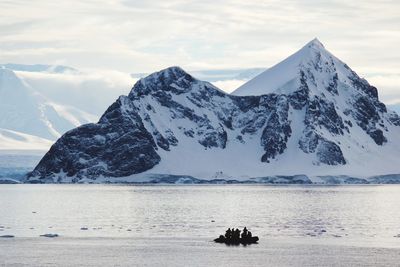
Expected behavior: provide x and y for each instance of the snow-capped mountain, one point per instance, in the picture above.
(310, 114)
(25, 111)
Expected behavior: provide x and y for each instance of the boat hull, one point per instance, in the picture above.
(243, 241)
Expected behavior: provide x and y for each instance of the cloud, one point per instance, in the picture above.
(146, 36)
(137, 36)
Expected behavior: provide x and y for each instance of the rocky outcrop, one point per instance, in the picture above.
(118, 145)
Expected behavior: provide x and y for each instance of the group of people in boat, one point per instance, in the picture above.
(235, 234)
(235, 237)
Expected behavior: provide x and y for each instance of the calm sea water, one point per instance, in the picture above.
(144, 218)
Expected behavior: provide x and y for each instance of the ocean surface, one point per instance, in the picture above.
(121, 225)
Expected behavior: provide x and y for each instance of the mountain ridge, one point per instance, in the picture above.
(326, 123)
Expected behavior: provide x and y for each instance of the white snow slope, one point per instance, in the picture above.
(238, 160)
(12, 140)
(281, 78)
(364, 157)
(24, 110)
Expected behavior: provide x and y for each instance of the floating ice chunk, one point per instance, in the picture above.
(7, 236)
(50, 235)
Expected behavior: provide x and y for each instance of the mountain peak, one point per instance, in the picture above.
(174, 69)
(313, 57)
(315, 43)
(170, 73)
(170, 79)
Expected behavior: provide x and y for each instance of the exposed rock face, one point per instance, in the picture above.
(315, 112)
(277, 128)
(118, 145)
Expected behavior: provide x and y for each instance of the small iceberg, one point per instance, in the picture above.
(7, 236)
(49, 235)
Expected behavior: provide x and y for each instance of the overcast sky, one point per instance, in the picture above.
(145, 36)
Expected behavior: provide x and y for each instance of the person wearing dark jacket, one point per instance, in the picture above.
(244, 233)
(236, 235)
(228, 233)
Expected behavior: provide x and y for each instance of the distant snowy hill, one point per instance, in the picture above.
(39, 103)
(47, 100)
(11, 140)
(308, 116)
(39, 68)
(26, 111)
(88, 91)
